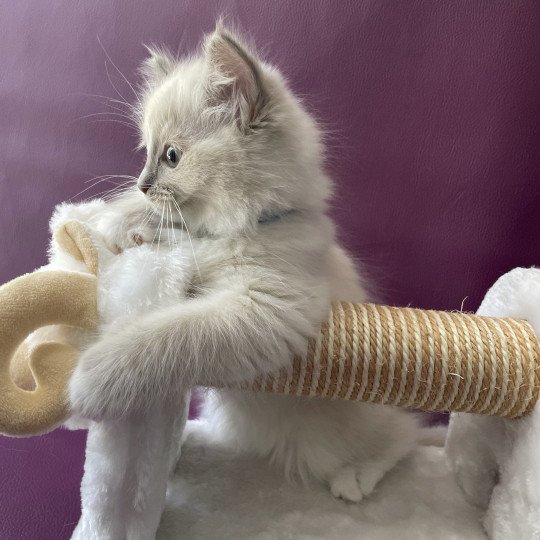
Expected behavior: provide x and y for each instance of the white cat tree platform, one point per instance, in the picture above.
(217, 495)
(496, 461)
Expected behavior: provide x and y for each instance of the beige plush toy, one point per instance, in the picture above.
(33, 381)
(401, 356)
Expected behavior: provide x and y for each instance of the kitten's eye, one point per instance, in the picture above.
(172, 156)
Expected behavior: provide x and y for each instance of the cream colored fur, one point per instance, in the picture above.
(258, 273)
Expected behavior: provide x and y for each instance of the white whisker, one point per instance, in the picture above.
(189, 236)
(110, 176)
(118, 70)
(118, 187)
(161, 227)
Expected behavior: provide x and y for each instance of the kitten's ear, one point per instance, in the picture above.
(235, 76)
(157, 66)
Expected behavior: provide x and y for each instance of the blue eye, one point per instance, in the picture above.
(172, 156)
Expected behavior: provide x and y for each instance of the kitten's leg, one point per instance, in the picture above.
(345, 445)
(380, 437)
(355, 482)
(345, 485)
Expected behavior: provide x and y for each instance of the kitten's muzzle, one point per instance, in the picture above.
(146, 181)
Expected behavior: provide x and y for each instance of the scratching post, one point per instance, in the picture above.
(432, 360)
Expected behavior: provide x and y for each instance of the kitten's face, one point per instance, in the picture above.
(225, 140)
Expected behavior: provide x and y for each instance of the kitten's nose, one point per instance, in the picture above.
(146, 181)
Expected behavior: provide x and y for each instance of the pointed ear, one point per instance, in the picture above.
(235, 77)
(157, 66)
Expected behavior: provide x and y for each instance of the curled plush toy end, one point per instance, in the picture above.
(74, 238)
(33, 381)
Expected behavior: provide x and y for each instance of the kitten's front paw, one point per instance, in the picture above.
(344, 485)
(123, 239)
(354, 483)
(95, 386)
(140, 236)
(117, 377)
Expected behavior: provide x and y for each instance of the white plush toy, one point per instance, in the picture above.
(497, 460)
(127, 461)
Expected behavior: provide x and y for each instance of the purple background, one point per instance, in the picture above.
(433, 114)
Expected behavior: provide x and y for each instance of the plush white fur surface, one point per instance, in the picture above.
(497, 461)
(217, 494)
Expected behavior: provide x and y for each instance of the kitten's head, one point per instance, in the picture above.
(226, 140)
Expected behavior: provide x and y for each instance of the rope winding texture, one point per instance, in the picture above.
(431, 360)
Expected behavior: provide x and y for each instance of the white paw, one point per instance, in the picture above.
(140, 236)
(100, 386)
(368, 478)
(121, 239)
(355, 483)
(344, 485)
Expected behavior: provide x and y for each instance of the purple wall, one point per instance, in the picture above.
(433, 114)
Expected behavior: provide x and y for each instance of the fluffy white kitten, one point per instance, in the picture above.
(234, 157)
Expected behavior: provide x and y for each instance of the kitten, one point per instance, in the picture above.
(234, 158)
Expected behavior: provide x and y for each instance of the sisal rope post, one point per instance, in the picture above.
(423, 359)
